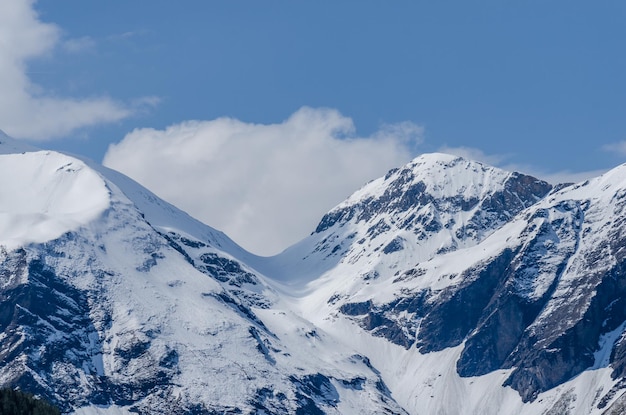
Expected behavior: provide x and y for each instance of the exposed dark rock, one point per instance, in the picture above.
(541, 368)
(381, 326)
(394, 246)
(226, 270)
(132, 349)
(313, 390)
(383, 321)
(619, 406)
(514, 308)
(356, 309)
(240, 308)
(262, 347)
(379, 227)
(459, 308)
(270, 402)
(36, 305)
(403, 194)
(171, 238)
(356, 383)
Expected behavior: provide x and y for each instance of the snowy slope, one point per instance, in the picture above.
(447, 286)
(527, 307)
(113, 301)
(62, 194)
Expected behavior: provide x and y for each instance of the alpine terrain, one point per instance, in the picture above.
(445, 287)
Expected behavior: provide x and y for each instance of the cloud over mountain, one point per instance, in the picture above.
(265, 185)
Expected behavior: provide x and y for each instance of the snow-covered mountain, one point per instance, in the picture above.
(447, 286)
(113, 301)
(473, 290)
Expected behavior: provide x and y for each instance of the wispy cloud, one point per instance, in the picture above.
(26, 109)
(618, 147)
(265, 185)
(127, 35)
(144, 105)
(79, 45)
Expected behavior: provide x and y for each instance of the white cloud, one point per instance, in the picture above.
(618, 147)
(266, 186)
(26, 110)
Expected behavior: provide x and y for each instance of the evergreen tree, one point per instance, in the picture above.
(14, 402)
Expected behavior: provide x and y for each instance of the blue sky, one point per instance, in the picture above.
(534, 85)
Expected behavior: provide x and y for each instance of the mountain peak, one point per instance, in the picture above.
(435, 157)
(439, 184)
(441, 175)
(436, 203)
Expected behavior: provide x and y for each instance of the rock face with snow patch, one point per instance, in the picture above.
(447, 286)
(380, 235)
(448, 254)
(436, 197)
